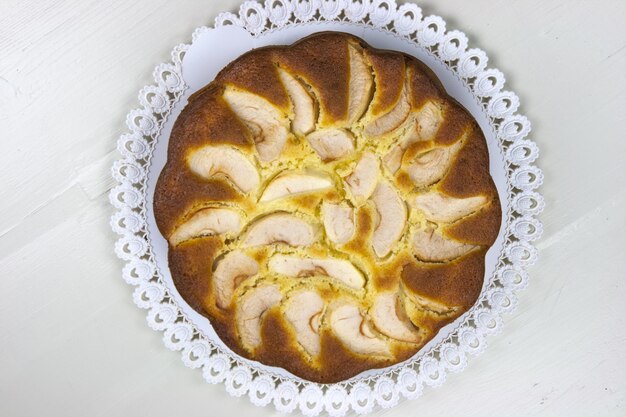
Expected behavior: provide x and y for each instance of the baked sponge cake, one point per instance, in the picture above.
(327, 205)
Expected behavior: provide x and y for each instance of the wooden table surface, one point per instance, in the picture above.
(73, 343)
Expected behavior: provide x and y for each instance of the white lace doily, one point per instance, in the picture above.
(381, 23)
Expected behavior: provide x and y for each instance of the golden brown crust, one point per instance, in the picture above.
(243, 73)
(337, 360)
(206, 120)
(424, 84)
(439, 290)
(455, 284)
(388, 69)
(327, 68)
(463, 178)
(191, 262)
(182, 193)
(456, 122)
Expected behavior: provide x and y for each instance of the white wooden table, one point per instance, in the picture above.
(73, 343)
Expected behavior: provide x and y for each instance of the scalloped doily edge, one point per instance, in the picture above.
(408, 380)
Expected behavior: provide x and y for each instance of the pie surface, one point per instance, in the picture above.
(327, 205)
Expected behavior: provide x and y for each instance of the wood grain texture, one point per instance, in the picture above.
(69, 72)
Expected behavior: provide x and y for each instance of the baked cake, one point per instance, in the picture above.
(328, 206)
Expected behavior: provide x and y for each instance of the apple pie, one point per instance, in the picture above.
(327, 205)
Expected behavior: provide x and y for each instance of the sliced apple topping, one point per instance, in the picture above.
(392, 217)
(429, 117)
(438, 207)
(250, 310)
(234, 268)
(391, 120)
(207, 222)
(430, 246)
(331, 144)
(303, 310)
(390, 318)
(293, 182)
(351, 328)
(339, 269)
(268, 125)
(415, 301)
(429, 167)
(423, 311)
(362, 181)
(279, 228)
(360, 85)
(304, 107)
(211, 161)
(393, 159)
(338, 222)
